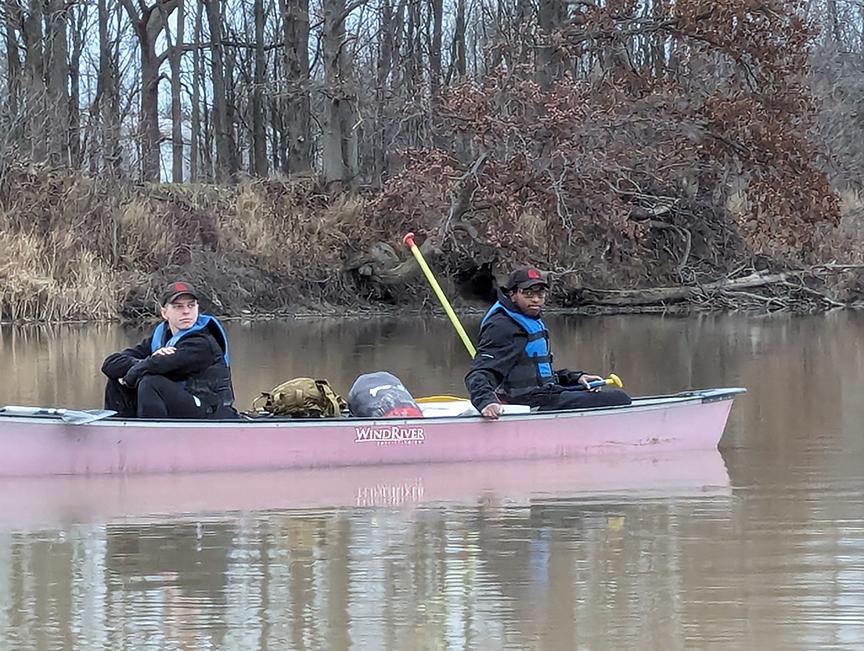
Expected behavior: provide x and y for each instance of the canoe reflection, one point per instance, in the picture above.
(59, 501)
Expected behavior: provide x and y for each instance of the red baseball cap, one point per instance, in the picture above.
(177, 289)
(525, 277)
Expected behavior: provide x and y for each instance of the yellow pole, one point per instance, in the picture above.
(408, 240)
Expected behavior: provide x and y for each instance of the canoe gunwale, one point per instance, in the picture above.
(639, 404)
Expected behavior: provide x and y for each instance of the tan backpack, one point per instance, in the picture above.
(301, 397)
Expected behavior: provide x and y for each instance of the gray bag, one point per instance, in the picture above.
(381, 395)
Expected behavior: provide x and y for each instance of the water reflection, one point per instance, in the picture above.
(758, 548)
(464, 558)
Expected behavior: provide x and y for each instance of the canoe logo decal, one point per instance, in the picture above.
(389, 434)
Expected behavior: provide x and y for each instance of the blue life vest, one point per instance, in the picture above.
(203, 321)
(536, 348)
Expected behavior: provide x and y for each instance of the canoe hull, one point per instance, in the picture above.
(39, 446)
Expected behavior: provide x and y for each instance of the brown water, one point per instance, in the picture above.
(760, 548)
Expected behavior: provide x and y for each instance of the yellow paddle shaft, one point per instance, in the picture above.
(409, 242)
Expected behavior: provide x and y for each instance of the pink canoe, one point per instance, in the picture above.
(63, 442)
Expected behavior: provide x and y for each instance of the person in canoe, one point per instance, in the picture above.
(513, 363)
(180, 371)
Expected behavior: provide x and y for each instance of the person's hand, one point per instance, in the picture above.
(165, 350)
(492, 411)
(585, 379)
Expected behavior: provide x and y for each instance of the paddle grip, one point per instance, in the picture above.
(612, 380)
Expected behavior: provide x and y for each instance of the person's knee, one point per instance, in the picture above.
(151, 402)
(120, 398)
(616, 397)
(150, 384)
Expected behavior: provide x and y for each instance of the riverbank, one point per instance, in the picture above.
(79, 248)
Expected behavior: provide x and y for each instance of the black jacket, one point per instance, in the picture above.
(501, 354)
(198, 362)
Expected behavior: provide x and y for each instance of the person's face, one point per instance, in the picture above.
(181, 313)
(529, 300)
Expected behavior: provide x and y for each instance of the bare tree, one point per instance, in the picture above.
(195, 128)
(297, 141)
(339, 139)
(458, 67)
(148, 21)
(259, 135)
(107, 101)
(175, 57)
(35, 102)
(12, 101)
(221, 128)
(79, 28)
(57, 76)
(549, 57)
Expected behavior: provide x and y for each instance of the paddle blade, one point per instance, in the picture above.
(74, 417)
(71, 416)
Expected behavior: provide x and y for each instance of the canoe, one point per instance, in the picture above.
(32, 503)
(52, 445)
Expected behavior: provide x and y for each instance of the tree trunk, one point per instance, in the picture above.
(107, 99)
(78, 33)
(549, 60)
(833, 22)
(175, 59)
(149, 124)
(437, 8)
(340, 161)
(197, 81)
(58, 79)
(13, 71)
(219, 114)
(384, 66)
(298, 139)
(259, 133)
(458, 67)
(34, 81)
(231, 112)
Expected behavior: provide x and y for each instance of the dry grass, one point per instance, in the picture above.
(49, 280)
(76, 248)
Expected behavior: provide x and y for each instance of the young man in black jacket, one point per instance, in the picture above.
(513, 363)
(180, 371)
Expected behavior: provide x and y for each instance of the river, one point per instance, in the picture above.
(759, 545)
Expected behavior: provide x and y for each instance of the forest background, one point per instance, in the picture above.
(651, 155)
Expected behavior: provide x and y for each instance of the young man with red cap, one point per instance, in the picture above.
(180, 371)
(513, 363)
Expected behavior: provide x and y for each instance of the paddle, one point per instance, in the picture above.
(612, 380)
(71, 416)
(408, 241)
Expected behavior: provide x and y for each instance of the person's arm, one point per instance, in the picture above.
(500, 345)
(116, 365)
(192, 354)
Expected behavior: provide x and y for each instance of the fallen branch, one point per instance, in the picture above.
(652, 296)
